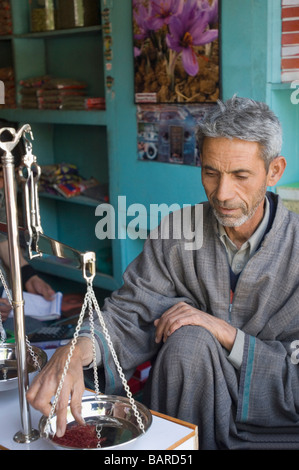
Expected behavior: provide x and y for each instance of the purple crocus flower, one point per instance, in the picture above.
(188, 30)
(141, 16)
(162, 11)
(212, 10)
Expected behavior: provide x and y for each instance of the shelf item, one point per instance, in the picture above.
(76, 13)
(5, 18)
(7, 77)
(29, 90)
(53, 93)
(42, 15)
(64, 180)
(49, 93)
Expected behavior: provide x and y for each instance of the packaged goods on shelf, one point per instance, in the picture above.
(42, 15)
(64, 84)
(29, 98)
(5, 18)
(62, 93)
(35, 82)
(50, 93)
(64, 179)
(95, 103)
(58, 93)
(58, 174)
(28, 91)
(61, 102)
(7, 77)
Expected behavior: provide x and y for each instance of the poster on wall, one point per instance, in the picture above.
(176, 51)
(167, 133)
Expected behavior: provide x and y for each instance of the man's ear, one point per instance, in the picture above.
(276, 170)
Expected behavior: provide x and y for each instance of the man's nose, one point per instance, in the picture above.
(225, 189)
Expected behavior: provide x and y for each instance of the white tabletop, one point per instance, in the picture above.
(163, 433)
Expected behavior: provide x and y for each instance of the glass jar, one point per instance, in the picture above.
(77, 13)
(42, 15)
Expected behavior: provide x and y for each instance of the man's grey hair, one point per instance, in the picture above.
(244, 119)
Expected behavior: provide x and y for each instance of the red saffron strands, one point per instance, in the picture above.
(80, 436)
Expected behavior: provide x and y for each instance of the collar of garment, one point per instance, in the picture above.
(239, 257)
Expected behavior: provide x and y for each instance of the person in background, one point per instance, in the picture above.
(31, 281)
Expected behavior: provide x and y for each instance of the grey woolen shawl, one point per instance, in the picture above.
(192, 379)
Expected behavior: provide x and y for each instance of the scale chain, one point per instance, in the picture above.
(2, 341)
(90, 301)
(31, 352)
(3, 333)
(72, 347)
(96, 381)
(118, 366)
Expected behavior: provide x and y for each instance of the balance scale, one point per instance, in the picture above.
(116, 420)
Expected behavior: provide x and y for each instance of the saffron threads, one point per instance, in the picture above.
(80, 436)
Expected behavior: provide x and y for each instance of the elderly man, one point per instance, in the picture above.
(218, 321)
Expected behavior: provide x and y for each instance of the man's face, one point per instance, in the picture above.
(234, 178)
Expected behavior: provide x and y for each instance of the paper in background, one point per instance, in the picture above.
(38, 307)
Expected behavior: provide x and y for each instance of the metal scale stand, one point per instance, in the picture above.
(39, 244)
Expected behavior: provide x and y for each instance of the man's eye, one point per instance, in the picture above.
(241, 177)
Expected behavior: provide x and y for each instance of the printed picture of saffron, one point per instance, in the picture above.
(176, 51)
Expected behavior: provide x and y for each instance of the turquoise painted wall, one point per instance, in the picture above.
(247, 50)
(244, 48)
(250, 54)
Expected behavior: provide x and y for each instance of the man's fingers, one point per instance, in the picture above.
(179, 315)
(39, 396)
(61, 413)
(76, 402)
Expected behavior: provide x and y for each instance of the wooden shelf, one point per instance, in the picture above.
(83, 200)
(6, 37)
(91, 118)
(61, 32)
(280, 86)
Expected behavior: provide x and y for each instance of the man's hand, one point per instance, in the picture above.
(36, 285)
(45, 384)
(183, 314)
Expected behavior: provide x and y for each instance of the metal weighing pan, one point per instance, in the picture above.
(8, 363)
(112, 415)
